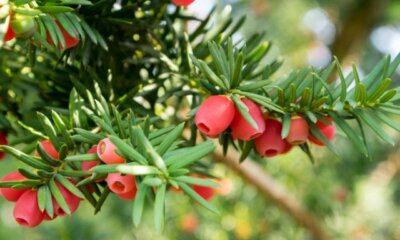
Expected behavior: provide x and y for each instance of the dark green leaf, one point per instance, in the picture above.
(244, 111)
(58, 197)
(159, 207)
(170, 138)
(127, 150)
(69, 185)
(189, 191)
(138, 204)
(189, 155)
(197, 181)
(29, 160)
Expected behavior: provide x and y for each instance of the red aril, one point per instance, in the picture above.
(49, 149)
(298, 132)
(121, 184)
(71, 200)
(9, 34)
(327, 129)
(182, 2)
(270, 143)
(241, 129)
(129, 195)
(70, 41)
(215, 115)
(88, 165)
(12, 194)
(106, 152)
(26, 210)
(205, 192)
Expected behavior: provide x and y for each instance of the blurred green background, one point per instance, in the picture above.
(352, 197)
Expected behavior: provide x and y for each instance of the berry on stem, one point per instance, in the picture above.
(26, 210)
(298, 132)
(121, 184)
(182, 2)
(71, 200)
(70, 41)
(49, 148)
(129, 195)
(3, 141)
(205, 192)
(9, 34)
(12, 194)
(328, 130)
(270, 143)
(88, 165)
(215, 115)
(106, 152)
(241, 129)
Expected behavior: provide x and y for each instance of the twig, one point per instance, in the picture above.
(256, 176)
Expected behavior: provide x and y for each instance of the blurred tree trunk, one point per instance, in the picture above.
(356, 26)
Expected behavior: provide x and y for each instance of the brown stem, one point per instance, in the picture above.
(256, 176)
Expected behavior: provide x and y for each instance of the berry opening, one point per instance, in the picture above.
(102, 147)
(203, 128)
(271, 152)
(118, 186)
(22, 221)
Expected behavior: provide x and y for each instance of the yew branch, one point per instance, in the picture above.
(256, 176)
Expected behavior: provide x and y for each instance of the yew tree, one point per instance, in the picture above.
(121, 97)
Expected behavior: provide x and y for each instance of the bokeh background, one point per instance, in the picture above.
(351, 196)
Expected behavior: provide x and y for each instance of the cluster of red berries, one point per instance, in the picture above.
(218, 113)
(124, 186)
(182, 2)
(21, 25)
(26, 209)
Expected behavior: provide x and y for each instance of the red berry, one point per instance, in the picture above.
(121, 184)
(26, 210)
(106, 152)
(288, 147)
(71, 200)
(270, 143)
(47, 216)
(9, 34)
(3, 141)
(298, 132)
(70, 41)
(328, 130)
(129, 195)
(241, 129)
(88, 165)
(12, 194)
(215, 115)
(205, 192)
(49, 149)
(182, 2)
